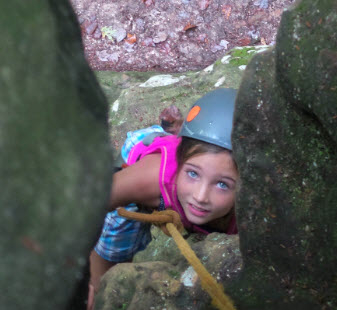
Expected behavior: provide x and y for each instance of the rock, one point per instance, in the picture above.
(224, 43)
(285, 133)
(140, 24)
(244, 41)
(263, 4)
(203, 4)
(55, 159)
(148, 42)
(160, 37)
(97, 34)
(120, 35)
(161, 278)
(129, 47)
(161, 80)
(89, 27)
(106, 56)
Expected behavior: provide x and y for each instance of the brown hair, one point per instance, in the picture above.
(190, 147)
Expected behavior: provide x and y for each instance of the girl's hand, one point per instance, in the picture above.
(91, 297)
(171, 120)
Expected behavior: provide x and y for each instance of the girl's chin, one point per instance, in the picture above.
(197, 221)
(196, 216)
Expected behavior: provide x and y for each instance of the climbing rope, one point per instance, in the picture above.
(169, 221)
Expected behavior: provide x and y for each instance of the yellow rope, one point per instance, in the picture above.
(208, 283)
(214, 289)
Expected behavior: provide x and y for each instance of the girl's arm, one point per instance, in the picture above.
(138, 183)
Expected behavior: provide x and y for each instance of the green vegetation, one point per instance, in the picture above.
(108, 32)
(174, 274)
(124, 306)
(241, 56)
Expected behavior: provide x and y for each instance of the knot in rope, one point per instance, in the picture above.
(174, 219)
(158, 218)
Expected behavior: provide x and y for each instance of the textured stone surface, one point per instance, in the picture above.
(285, 145)
(55, 159)
(160, 276)
(172, 35)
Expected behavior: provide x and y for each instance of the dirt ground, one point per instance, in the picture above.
(172, 35)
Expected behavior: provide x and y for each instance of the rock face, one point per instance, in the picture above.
(172, 35)
(285, 136)
(55, 159)
(160, 277)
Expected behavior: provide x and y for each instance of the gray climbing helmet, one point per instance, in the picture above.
(210, 119)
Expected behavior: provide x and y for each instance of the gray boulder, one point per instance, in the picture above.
(55, 159)
(285, 132)
(161, 278)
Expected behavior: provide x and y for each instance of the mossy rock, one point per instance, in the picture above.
(55, 159)
(284, 143)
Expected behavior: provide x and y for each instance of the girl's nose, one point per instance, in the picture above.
(200, 193)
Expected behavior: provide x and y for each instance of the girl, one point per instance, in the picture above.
(197, 178)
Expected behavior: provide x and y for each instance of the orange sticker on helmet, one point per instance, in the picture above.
(193, 113)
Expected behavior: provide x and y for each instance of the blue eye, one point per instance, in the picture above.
(222, 185)
(192, 174)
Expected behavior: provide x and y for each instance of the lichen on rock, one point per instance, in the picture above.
(285, 145)
(160, 276)
(55, 158)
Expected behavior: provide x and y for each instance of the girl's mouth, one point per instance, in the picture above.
(197, 211)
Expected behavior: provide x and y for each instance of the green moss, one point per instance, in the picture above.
(141, 76)
(113, 79)
(124, 306)
(309, 183)
(113, 121)
(173, 97)
(174, 274)
(241, 56)
(107, 78)
(217, 63)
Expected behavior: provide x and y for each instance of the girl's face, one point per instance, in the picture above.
(206, 186)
